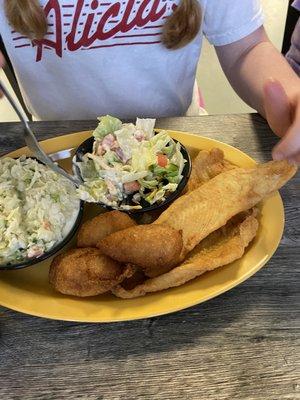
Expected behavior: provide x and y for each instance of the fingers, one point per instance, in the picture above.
(295, 159)
(284, 119)
(289, 145)
(277, 107)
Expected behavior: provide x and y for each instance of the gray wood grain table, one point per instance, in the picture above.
(242, 345)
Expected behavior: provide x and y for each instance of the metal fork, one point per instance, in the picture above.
(33, 144)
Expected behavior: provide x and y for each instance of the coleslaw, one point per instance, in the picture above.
(38, 209)
(130, 165)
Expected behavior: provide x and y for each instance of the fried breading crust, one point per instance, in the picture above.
(138, 277)
(104, 224)
(206, 165)
(85, 272)
(206, 209)
(219, 248)
(154, 248)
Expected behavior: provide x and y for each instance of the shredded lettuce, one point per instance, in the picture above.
(160, 141)
(170, 149)
(126, 140)
(134, 176)
(178, 159)
(171, 187)
(155, 196)
(93, 190)
(111, 158)
(142, 158)
(88, 170)
(149, 184)
(146, 125)
(106, 125)
(170, 171)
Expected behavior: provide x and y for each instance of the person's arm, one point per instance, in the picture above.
(293, 54)
(263, 79)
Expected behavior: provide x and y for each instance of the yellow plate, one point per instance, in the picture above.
(28, 290)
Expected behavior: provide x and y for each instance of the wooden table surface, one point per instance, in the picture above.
(241, 345)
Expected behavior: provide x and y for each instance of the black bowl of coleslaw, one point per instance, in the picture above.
(23, 242)
(29, 262)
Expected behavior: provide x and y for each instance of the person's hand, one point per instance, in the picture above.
(1, 66)
(283, 116)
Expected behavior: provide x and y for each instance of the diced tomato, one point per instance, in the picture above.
(162, 160)
(131, 187)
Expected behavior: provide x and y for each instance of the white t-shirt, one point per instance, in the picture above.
(106, 57)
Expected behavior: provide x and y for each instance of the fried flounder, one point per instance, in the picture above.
(220, 248)
(86, 272)
(92, 231)
(205, 166)
(206, 209)
(154, 248)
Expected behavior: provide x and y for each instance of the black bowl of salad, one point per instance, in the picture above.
(39, 212)
(130, 167)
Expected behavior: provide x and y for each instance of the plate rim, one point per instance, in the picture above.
(177, 306)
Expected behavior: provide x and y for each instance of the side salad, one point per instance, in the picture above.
(38, 209)
(130, 165)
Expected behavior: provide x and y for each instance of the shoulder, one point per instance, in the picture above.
(227, 21)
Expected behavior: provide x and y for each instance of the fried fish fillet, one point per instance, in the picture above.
(206, 209)
(205, 166)
(86, 272)
(220, 248)
(154, 248)
(137, 278)
(104, 224)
